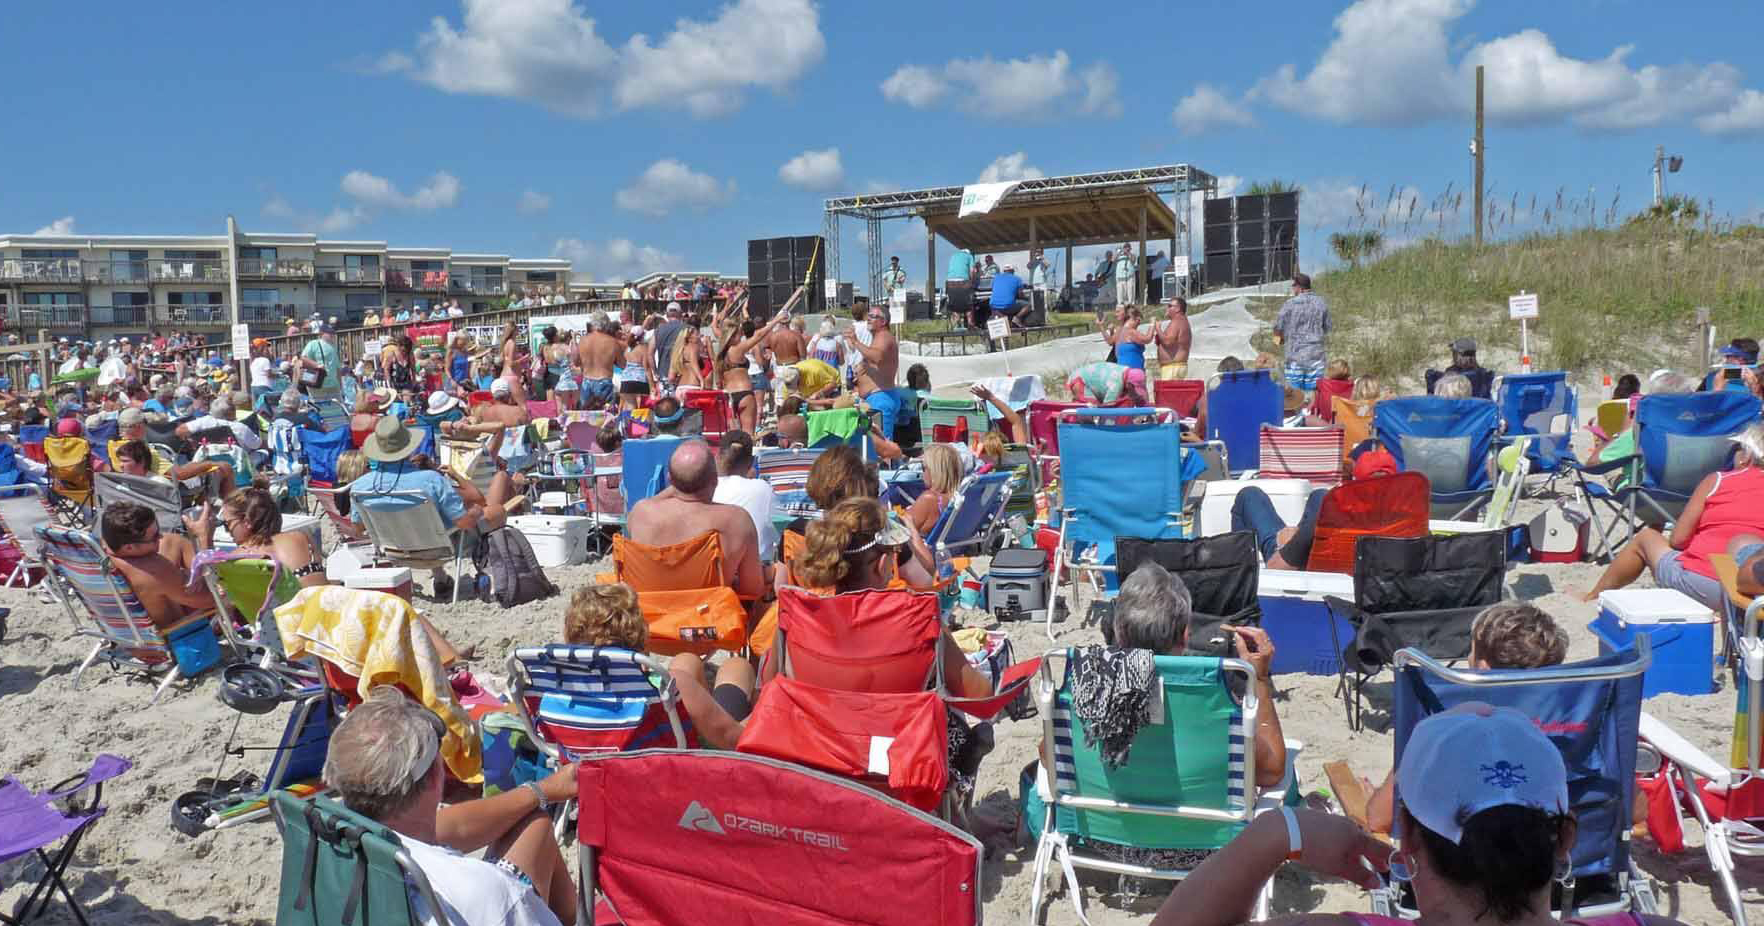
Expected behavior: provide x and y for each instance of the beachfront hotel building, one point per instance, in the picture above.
(109, 286)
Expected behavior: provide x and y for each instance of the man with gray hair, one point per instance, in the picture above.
(1153, 612)
(384, 762)
(220, 415)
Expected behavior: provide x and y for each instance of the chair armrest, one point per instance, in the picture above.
(1603, 466)
(1272, 798)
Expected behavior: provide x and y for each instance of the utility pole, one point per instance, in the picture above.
(1659, 175)
(1476, 152)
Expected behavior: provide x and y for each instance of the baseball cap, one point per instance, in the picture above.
(501, 388)
(1464, 346)
(1371, 459)
(129, 417)
(1474, 757)
(673, 308)
(1728, 350)
(67, 427)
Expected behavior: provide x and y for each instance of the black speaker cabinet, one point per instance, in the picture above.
(1217, 212)
(1217, 239)
(1251, 235)
(1283, 206)
(1220, 269)
(759, 271)
(1251, 264)
(1281, 263)
(1282, 233)
(759, 249)
(1252, 208)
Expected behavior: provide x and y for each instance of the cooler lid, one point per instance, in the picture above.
(1018, 559)
(1295, 487)
(1654, 606)
(1292, 583)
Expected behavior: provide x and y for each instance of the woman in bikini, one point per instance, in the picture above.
(737, 379)
(638, 371)
(510, 352)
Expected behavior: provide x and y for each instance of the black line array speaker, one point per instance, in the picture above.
(780, 265)
(1250, 239)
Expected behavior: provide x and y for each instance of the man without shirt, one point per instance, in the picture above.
(879, 368)
(687, 508)
(156, 565)
(1174, 337)
(599, 354)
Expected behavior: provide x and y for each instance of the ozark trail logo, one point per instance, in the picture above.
(698, 817)
(1504, 774)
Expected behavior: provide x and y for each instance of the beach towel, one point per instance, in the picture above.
(839, 422)
(1015, 391)
(375, 637)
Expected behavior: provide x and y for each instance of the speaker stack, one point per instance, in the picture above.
(777, 266)
(1250, 239)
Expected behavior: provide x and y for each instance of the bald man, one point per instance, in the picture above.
(684, 510)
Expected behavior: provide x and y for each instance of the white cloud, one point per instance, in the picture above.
(615, 260)
(1744, 117)
(1041, 86)
(1390, 63)
(914, 85)
(61, 226)
(339, 219)
(815, 170)
(1206, 109)
(548, 52)
(441, 192)
(532, 202)
(668, 184)
(1013, 166)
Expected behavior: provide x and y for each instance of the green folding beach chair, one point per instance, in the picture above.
(1186, 784)
(341, 869)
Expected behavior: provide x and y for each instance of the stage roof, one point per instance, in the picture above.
(1092, 219)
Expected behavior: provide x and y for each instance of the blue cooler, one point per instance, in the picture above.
(195, 648)
(1297, 620)
(1681, 631)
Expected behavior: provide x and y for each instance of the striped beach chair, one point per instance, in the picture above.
(787, 471)
(79, 570)
(576, 701)
(1312, 454)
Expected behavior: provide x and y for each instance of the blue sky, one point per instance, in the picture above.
(627, 136)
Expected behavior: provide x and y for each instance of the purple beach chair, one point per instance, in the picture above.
(34, 821)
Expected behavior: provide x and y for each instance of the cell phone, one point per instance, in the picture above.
(1731, 374)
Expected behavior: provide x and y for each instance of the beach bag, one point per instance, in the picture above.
(515, 577)
(312, 378)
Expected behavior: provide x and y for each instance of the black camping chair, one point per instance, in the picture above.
(1221, 574)
(1420, 592)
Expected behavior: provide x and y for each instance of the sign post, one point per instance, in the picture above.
(999, 330)
(897, 307)
(1523, 307)
(242, 342)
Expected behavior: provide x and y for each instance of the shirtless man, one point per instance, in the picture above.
(736, 380)
(788, 344)
(598, 355)
(499, 419)
(1174, 337)
(157, 565)
(684, 510)
(880, 365)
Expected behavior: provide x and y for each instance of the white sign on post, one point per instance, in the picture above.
(1523, 307)
(999, 329)
(241, 342)
(1179, 265)
(832, 291)
(897, 307)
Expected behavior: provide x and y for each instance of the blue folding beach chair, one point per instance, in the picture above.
(1123, 472)
(1236, 410)
(646, 468)
(331, 414)
(1447, 440)
(970, 518)
(1591, 710)
(1679, 439)
(1541, 404)
(321, 450)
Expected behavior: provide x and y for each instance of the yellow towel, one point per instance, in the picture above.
(375, 637)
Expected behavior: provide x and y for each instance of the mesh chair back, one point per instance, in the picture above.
(1447, 440)
(1381, 506)
(1220, 572)
(1542, 404)
(1683, 438)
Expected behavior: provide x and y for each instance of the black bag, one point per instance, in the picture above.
(515, 577)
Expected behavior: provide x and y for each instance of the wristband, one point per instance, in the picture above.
(545, 805)
(1294, 845)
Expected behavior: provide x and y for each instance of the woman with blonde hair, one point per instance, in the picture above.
(943, 475)
(606, 615)
(683, 361)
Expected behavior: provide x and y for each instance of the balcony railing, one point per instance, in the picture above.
(421, 281)
(191, 315)
(119, 314)
(351, 276)
(275, 268)
(263, 313)
(28, 317)
(41, 269)
(179, 270)
(476, 286)
(117, 271)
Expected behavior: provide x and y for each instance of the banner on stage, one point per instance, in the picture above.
(979, 198)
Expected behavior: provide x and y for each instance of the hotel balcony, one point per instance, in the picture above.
(120, 314)
(191, 316)
(350, 276)
(180, 270)
(297, 269)
(117, 271)
(476, 286)
(41, 270)
(28, 318)
(258, 313)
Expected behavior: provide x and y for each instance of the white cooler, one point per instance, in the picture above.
(347, 560)
(1297, 620)
(393, 580)
(557, 540)
(290, 522)
(1288, 496)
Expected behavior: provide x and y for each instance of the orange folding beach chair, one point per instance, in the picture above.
(685, 597)
(1381, 506)
(1355, 421)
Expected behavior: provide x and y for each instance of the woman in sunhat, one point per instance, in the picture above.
(1485, 831)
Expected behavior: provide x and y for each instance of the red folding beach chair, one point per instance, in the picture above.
(1044, 416)
(713, 405)
(1382, 506)
(1323, 404)
(745, 839)
(1181, 396)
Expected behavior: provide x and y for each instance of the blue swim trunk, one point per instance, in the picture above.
(1304, 375)
(600, 390)
(889, 402)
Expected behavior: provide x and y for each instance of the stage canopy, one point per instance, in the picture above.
(1138, 205)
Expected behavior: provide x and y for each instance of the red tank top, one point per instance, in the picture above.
(1735, 506)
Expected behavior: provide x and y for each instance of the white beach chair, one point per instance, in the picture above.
(407, 529)
(23, 509)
